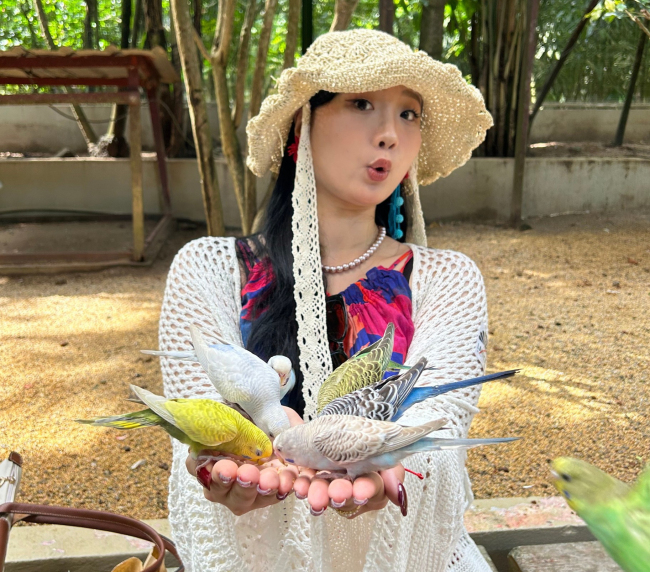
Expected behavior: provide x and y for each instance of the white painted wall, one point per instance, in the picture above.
(40, 129)
(480, 189)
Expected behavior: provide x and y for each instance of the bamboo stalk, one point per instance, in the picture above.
(199, 117)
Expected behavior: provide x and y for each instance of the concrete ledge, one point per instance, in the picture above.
(481, 189)
(54, 548)
(498, 525)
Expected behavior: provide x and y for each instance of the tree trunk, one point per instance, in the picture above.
(250, 197)
(199, 117)
(307, 25)
(82, 121)
(563, 57)
(523, 104)
(343, 10)
(90, 34)
(242, 62)
(432, 27)
(138, 21)
(177, 137)
(113, 141)
(620, 132)
(153, 21)
(386, 16)
(293, 24)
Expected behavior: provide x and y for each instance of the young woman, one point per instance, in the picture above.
(351, 131)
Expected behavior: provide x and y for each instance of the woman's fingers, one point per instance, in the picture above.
(287, 477)
(368, 488)
(340, 493)
(243, 492)
(269, 482)
(318, 496)
(301, 484)
(392, 480)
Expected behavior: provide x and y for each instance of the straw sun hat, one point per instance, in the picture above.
(454, 122)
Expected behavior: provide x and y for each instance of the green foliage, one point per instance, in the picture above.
(597, 70)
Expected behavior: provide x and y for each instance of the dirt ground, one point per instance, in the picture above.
(569, 304)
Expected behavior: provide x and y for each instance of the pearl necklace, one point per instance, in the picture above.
(345, 267)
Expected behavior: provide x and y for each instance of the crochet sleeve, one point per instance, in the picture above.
(201, 290)
(450, 318)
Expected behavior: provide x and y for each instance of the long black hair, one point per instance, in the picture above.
(274, 330)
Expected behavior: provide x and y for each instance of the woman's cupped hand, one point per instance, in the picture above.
(243, 488)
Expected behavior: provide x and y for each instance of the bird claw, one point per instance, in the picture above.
(331, 475)
(203, 460)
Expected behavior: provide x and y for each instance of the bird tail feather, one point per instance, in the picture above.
(190, 356)
(419, 394)
(134, 420)
(439, 444)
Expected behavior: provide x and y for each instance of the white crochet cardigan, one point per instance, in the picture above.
(450, 318)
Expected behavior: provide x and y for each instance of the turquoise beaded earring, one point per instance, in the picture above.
(395, 218)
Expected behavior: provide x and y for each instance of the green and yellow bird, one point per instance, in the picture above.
(364, 368)
(617, 514)
(202, 424)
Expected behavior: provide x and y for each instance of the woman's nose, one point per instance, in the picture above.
(386, 135)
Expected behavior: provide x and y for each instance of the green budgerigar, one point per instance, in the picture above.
(617, 514)
(364, 368)
(202, 424)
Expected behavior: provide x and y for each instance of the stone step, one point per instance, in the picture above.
(567, 557)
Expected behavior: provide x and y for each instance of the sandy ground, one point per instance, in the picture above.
(569, 303)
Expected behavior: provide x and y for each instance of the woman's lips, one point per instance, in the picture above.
(377, 175)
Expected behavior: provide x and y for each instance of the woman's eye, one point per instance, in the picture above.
(413, 114)
(362, 102)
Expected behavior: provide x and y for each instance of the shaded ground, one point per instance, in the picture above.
(588, 149)
(569, 303)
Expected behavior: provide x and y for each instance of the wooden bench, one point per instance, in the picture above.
(568, 557)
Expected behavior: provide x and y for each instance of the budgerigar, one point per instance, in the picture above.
(242, 378)
(354, 445)
(365, 368)
(280, 364)
(389, 399)
(617, 514)
(202, 424)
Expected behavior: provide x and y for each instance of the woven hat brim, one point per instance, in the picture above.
(454, 120)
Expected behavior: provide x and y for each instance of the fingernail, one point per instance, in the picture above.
(317, 512)
(245, 484)
(281, 497)
(360, 502)
(337, 504)
(402, 499)
(299, 496)
(204, 477)
(265, 492)
(225, 480)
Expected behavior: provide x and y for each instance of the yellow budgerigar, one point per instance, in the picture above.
(202, 424)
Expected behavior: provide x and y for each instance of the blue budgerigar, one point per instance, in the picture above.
(389, 399)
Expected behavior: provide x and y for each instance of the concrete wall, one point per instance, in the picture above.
(41, 129)
(104, 185)
(480, 189)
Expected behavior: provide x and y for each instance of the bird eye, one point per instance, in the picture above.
(566, 477)
(271, 435)
(278, 449)
(258, 452)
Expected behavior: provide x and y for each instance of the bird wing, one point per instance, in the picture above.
(346, 439)
(154, 402)
(351, 439)
(205, 421)
(234, 370)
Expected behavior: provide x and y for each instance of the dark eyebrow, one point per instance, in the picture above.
(414, 94)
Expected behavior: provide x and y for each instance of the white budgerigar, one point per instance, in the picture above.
(355, 445)
(280, 364)
(241, 378)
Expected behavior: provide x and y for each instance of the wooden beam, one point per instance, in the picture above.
(135, 141)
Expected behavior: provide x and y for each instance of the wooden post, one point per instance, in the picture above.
(521, 140)
(135, 141)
